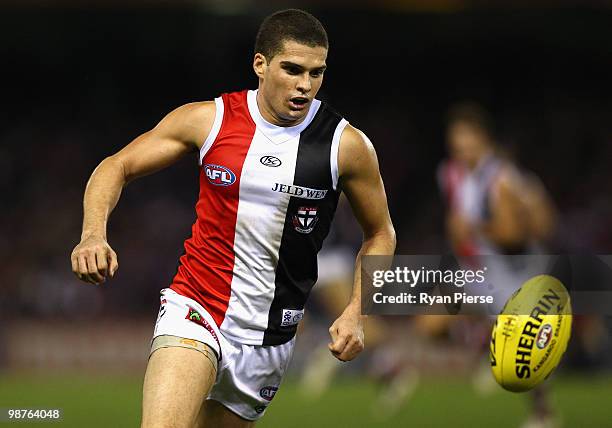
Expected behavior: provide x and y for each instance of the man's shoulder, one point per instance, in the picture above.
(198, 108)
(189, 122)
(356, 152)
(354, 139)
(199, 114)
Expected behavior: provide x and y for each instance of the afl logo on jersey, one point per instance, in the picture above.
(270, 161)
(219, 175)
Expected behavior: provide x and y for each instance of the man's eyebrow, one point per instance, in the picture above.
(292, 64)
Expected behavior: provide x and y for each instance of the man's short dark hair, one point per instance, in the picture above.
(472, 114)
(291, 24)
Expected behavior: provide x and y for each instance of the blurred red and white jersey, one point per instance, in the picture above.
(470, 193)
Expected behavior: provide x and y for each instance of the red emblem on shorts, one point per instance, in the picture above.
(196, 317)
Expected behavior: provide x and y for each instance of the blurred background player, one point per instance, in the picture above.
(493, 209)
(493, 206)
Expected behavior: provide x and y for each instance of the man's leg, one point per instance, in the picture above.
(176, 382)
(214, 414)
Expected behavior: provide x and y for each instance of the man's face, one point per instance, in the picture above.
(290, 81)
(467, 144)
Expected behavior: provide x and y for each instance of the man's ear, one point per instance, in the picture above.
(260, 65)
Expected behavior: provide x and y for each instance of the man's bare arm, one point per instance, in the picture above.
(182, 131)
(361, 182)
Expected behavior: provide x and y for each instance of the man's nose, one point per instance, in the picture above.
(304, 85)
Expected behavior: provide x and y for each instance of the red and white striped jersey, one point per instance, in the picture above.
(469, 193)
(267, 198)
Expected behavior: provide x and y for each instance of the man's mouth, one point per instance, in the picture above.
(298, 103)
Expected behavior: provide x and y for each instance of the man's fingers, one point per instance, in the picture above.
(354, 348)
(82, 269)
(102, 263)
(339, 344)
(74, 259)
(113, 263)
(75, 264)
(347, 338)
(351, 350)
(333, 332)
(93, 260)
(92, 268)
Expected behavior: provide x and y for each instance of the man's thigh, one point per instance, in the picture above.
(176, 382)
(214, 414)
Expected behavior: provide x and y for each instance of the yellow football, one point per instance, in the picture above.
(531, 333)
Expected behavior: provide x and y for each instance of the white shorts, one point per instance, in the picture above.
(248, 375)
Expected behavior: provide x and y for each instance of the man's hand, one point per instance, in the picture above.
(347, 336)
(93, 260)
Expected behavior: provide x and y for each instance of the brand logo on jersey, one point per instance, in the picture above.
(219, 175)
(305, 219)
(270, 161)
(291, 317)
(299, 191)
(268, 392)
(544, 336)
(196, 317)
(259, 409)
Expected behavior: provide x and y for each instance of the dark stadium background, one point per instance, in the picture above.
(80, 80)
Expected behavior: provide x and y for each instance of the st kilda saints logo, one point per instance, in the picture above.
(270, 161)
(305, 219)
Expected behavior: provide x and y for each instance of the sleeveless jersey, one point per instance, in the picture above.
(267, 197)
(469, 193)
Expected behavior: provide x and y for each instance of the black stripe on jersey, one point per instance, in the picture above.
(296, 272)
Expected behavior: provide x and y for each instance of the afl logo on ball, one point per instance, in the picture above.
(544, 336)
(219, 175)
(270, 161)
